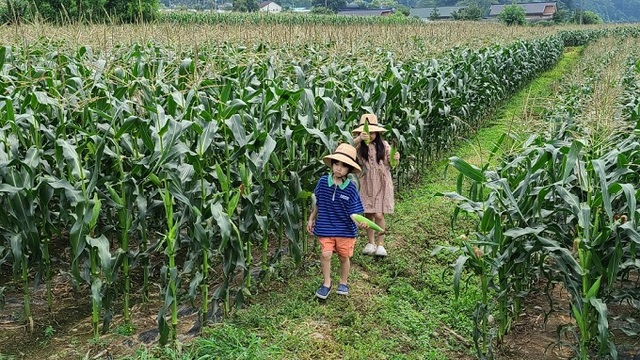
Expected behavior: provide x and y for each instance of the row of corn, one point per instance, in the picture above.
(561, 213)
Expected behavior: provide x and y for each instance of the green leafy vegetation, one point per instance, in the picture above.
(513, 15)
(558, 210)
(64, 12)
(198, 162)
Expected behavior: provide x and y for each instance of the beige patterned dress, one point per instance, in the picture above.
(376, 184)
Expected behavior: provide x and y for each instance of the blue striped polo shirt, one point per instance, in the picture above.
(335, 205)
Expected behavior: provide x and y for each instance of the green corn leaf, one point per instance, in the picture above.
(114, 195)
(517, 232)
(457, 274)
(261, 159)
(206, 137)
(3, 55)
(233, 203)
(466, 169)
(603, 323)
(9, 114)
(629, 194)
(593, 291)
(32, 159)
(222, 178)
(578, 316)
(223, 222)
(71, 155)
(101, 243)
(236, 125)
(194, 284)
(233, 108)
(163, 327)
(95, 211)
(488, 220)
(96, 292)
(187, 67)
(599, 168)
(155, 179)
(572, 159)
(130, 123)
(16, 247)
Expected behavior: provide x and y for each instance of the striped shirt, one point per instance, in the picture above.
(335, 205)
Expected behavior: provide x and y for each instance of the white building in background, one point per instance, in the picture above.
(270, 7)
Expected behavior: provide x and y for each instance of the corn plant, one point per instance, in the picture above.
(170, 272)
(559, 209)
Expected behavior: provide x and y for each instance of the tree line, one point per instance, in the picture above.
(70, 11)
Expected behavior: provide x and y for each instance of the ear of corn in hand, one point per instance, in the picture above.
(366, 130)
(392, 157)
(370, 224)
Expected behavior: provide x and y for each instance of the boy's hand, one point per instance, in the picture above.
(362, 225)
(310, 224)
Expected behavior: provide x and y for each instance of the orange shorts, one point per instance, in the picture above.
(341, 245)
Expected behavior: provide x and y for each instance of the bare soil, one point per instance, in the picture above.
(65, 332)
(531, 338)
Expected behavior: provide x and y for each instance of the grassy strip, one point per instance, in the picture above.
(401, 307)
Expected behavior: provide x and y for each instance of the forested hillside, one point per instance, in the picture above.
(615, 10)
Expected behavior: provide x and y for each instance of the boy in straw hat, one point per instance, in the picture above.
(337, 200)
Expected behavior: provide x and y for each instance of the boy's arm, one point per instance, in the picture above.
(356, 209)
(360, 224)
(312, 217)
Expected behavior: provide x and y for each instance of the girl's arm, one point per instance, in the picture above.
(387, 151)
(363, 136)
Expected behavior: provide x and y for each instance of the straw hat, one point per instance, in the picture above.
(374, 126)
(344, 153)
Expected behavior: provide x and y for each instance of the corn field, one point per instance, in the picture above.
(418, 41)
(562, 210)
(191, 167)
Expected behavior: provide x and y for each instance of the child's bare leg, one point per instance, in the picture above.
(370, 235)
(379, 220)
(325, 266)
(345, 266)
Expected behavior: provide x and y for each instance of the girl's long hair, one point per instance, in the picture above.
(363, 150)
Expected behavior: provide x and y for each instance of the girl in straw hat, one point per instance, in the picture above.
(376, 184)
(337, 200)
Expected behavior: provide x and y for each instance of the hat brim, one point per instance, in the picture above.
(372, 128)
(342, 158)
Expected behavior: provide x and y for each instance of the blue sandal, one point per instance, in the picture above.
(343, 289)
(323, 292)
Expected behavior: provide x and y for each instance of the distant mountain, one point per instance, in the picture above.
(612, 10)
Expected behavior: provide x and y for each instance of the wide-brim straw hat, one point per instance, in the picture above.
(344, 153)
(374, 126)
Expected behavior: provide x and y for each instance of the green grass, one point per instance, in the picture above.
(402, 307)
